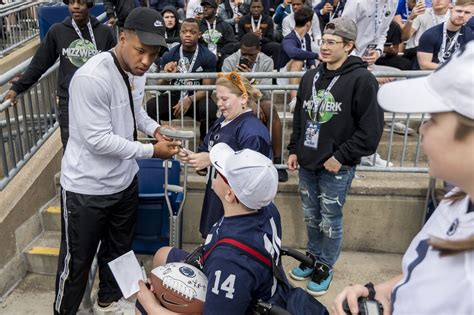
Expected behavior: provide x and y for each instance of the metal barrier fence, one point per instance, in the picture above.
(25, 126)
(399, 149)
(18, 24)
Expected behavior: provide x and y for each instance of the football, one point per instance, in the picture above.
(180, 287)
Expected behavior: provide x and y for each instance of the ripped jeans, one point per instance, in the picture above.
(322, 197)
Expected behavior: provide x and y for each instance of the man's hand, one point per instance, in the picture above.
(259, 33)
(111, 22)
(237, 18)
(11, 95)
(327, 8)
(292, 162)
(158, 136)
(372, 58)
(166, 149)
(352, 293)
(171, 67)
(243, 68)
(417, 10)
(332, 165)
(182, 106)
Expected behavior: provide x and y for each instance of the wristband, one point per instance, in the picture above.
(370, 287)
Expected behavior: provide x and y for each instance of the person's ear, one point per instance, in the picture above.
(245, 99)
(122, 38)
(229, 195)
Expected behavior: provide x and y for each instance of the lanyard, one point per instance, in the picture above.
(377, 20)
(256, 26)
(193, 60)
(129, 89)
(213, 24)
(407, 10)
(303, 45)
(331, 16)
(317, 104)
(91, 33)
(434, 18)
(443, 50)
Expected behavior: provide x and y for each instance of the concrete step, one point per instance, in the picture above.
(51, 216)
(42, 255)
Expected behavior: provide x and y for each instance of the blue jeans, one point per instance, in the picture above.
(322, 197)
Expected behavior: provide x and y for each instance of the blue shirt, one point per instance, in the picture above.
(235, 279)
(291, 49)
(205, 62)
(432, 39)
(246, 131)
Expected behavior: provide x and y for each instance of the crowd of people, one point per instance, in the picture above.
(337, 125)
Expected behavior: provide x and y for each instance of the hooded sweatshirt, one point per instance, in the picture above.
(119, 9)
(62, 41)
(172, 35)
(351, 121)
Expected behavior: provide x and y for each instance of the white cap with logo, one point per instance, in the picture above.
(448, 89)
(250, 174)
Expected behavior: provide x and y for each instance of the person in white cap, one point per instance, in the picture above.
(438, 268)
(246, 182)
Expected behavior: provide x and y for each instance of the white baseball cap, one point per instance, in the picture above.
(250, 174)
(448, 89)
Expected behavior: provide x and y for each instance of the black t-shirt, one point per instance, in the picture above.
(394, 34)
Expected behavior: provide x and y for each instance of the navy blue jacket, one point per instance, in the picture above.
(291, 49)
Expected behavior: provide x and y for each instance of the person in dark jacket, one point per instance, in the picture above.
(117, 11)
(328, 10)
(171, 17)
(337, 120)
(216, 34)
(74, 41)
(262, 25)
(296, 53)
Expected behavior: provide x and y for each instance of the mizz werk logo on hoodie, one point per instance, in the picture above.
(328, 108)
(79, 51)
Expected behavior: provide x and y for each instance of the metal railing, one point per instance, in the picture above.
(18, 24)
(399, 150)
(24, 127)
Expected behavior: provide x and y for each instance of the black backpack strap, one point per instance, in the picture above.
(127, 83)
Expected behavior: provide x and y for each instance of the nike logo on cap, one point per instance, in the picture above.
(158, 23)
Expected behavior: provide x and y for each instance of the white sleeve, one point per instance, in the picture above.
(94, 123)
(285, 25)
(144, 122)
(350, 10)
(316, 32)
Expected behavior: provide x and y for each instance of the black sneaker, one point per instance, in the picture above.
(202, 172)
(320, 280)
(282, 175)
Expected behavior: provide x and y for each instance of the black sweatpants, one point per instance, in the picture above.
(166, 111)
(63, 118)
(86, 220)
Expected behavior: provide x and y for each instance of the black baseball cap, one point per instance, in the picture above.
(212, 3)
(149, 26)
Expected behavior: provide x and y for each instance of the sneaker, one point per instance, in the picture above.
(377, 161)
(120, 307)
(320, 280)
(202, 172)
(400, 128)
(282, 175)
(292, 104)
(302, 272)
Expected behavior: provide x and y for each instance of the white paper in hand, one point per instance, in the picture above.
(127, 273)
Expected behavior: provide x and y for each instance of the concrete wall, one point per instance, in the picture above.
(381, 214)
(20, 222)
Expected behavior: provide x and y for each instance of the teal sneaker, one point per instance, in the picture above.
(320, 280)
(302, 272)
